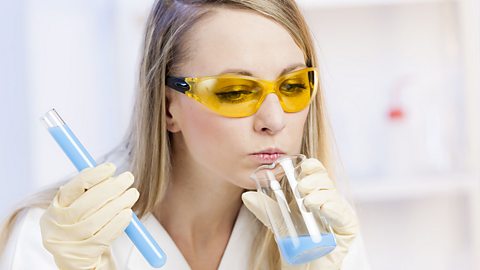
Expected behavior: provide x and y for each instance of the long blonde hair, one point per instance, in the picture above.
(148, 140)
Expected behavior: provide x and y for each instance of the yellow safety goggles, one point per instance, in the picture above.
(240, 96)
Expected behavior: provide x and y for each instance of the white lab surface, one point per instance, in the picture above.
(25, 249)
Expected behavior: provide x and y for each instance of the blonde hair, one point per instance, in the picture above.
(148, 140)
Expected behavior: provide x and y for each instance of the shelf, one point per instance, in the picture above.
(360, 3)
(408, 188)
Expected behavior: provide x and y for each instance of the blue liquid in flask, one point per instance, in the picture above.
(307, 250)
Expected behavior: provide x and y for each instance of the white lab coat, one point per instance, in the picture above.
(25, 250)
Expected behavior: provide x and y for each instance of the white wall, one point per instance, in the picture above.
(80, 57)
(14, 138)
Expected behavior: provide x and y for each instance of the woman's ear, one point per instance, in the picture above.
(171, 104)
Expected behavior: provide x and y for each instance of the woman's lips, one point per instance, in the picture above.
(266, 158)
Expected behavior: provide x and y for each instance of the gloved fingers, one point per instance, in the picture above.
(88, 227)
(256, 202)
(316, 199)
(336, 212)
(310, 166)
(94, 223)
(83, 181)
(316, 181)
(341, 217)
(99, 195)
(252, 201)
(114, 228)
(336, 209)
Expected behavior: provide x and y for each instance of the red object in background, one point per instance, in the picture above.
(396, 113)
(396, 110)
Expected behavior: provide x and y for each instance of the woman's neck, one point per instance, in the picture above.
(199, 214)
(196, 205)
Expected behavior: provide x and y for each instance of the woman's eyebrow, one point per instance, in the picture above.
(236, 71)
(291, 68)
(248, 73)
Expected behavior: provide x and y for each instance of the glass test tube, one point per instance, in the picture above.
(81, 159)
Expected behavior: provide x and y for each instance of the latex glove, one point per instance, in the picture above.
(319, 193)
(86, 215)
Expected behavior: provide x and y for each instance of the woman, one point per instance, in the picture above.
(192, 148)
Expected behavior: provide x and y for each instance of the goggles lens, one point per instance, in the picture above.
(241, 96)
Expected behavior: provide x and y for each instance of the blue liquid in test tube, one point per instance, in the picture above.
(79, 156)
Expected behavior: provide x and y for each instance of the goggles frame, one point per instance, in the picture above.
(186, 85)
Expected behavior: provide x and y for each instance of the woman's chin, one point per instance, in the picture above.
(250, 185)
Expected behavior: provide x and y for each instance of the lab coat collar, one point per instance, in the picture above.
(235, 257)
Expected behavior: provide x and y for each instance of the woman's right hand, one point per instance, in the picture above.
(86, 215)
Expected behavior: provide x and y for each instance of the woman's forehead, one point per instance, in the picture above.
(229, 39)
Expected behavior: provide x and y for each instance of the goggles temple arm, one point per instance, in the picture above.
(177, 84)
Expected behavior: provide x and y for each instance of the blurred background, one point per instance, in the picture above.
(401, 77)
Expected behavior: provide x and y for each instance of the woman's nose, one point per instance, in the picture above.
(270, 117)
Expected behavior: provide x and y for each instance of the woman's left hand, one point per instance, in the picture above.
(320, 194)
